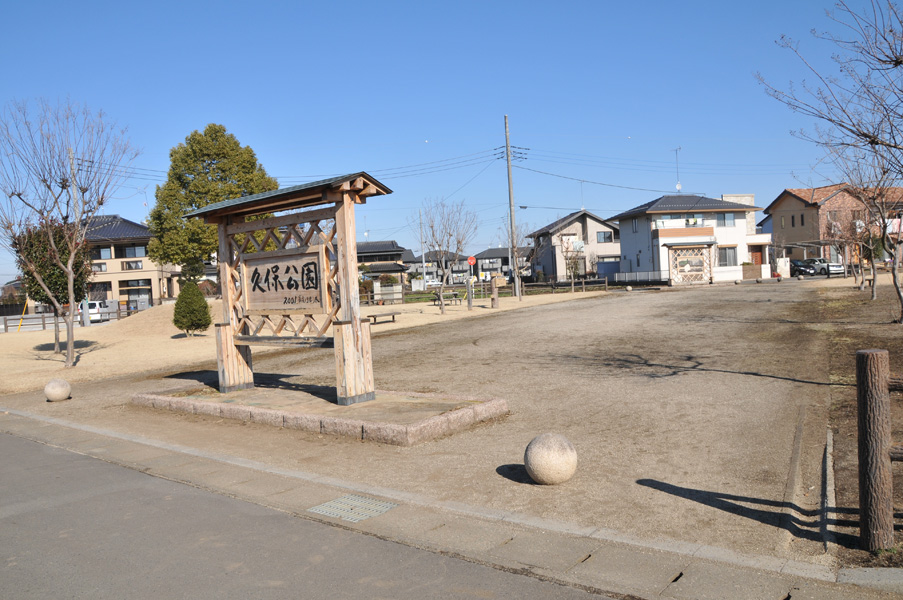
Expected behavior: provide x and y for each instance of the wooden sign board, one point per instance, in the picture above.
(282, 284)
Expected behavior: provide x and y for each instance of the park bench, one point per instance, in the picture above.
(451, 298)
(386, 315)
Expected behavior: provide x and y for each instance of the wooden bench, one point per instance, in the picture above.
(286, 341)
(451, 298)
(386, 315)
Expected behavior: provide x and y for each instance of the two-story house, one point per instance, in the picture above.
(122, 271)
(494, 262)
(692, 239)
(381, 257)
(573, 245)
(819, 222)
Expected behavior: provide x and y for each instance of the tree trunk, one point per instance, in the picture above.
(70, 324)
(895, 277)
(56, 331)
(876, 506)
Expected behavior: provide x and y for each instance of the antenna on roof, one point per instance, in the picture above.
(677, 161)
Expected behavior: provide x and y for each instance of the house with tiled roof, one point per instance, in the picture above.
(495, 262)
(574, 244)
(122, 271)
(813, 222)
(381, 257)
(686, 238)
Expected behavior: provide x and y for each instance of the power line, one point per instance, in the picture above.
(623, 187)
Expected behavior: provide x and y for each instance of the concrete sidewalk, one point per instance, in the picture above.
(596, 559)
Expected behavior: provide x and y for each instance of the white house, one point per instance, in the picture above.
(684, 239)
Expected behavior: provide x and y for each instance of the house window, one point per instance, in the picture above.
(135, 283)
(832, 215)
(131, 265)
(131, 251)
(725, 220)
(101, 254)
(802, 220)
(634, 225)
(793, 220)
(727, 257)
(99, 267)
(603, 237)
(782, 221)
(857, 215)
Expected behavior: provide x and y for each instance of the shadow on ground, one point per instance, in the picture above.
(516, 473)
(808, 525)
(79, 345)
(647, 367)
(267, 381)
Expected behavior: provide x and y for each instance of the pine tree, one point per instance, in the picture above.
(209, 167)
(191, 311)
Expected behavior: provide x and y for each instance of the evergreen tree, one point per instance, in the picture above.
(209, 167)
(191, 312)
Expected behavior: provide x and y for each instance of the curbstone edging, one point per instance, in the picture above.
(393, 434)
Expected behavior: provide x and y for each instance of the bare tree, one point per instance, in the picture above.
(58, 164)
(572, 252)
(447, 230)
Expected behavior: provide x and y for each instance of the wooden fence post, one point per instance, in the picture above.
(494, 303)
(469, 294)
(876, 506)
(606, 283)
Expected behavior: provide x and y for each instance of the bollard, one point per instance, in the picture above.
(876, 507)
(606, 284)
(469, 294)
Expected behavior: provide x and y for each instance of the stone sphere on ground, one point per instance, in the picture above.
(737, 282)
(629, 289)
(800, 277)
(550, 459)
(758, 280)
(57, 390)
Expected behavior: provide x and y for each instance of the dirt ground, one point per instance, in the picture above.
(853, 322)
(698, 414)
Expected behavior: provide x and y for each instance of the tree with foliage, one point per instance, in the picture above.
(209, 167)
(191, 313)
(59, 165)
(33, 246)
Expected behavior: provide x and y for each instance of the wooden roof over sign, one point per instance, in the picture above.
(299, 196)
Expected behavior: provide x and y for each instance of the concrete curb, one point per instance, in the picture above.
(431, 428)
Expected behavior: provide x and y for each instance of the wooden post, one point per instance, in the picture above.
(354, 362)
(583, 284)
(5, 325)
(494, 303)
(606, 283)
(876, 508)
(233, 362)
(469, 294)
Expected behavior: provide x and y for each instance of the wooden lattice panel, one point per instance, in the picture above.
(691, 265)
(281, 238)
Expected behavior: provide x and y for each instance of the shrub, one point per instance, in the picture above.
(386, 279)
(191, 312)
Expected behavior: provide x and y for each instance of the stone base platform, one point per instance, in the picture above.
(396, 418)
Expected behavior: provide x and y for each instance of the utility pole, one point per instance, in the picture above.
(422, 252)
(513, 245)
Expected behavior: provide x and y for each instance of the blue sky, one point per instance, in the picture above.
(596, 91)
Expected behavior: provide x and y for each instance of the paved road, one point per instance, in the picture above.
(77, 527)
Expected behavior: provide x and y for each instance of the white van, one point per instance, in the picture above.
(100, 310)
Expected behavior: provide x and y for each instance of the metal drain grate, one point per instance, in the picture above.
(353, 508)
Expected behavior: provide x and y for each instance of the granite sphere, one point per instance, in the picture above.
(550, 459)
(57, 390)
(629, 289)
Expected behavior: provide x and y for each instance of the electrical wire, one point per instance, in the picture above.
(623, 187)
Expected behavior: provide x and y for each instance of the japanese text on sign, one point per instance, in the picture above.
(287, 284)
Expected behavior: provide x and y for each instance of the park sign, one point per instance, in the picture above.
(285, 284)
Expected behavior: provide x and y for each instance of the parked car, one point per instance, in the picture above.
(798, 267)
(98, 311)
(824, 267)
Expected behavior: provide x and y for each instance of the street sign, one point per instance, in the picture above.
(471, 260)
